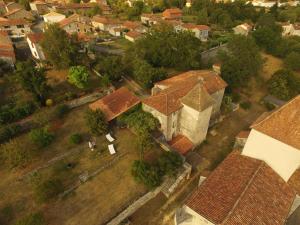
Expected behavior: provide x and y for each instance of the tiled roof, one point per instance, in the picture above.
(282, 124)
(133, 34)
(172, 11)
(105, 20)
(35, 37)
(50, 14)
(212, 81)
(175, 88)
(131, 25)
(181, 144)
(116, 103)
(198, 98)
(11, 22)
(195, 26)
(243, 134)
(243, 191)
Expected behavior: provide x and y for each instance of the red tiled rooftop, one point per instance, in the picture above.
(116, 103)
(181, 144)
(243, 190)
(35, 37)
(133, 34)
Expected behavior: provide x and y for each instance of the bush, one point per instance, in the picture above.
(292, 61)
(15, 153)
(47, 189)
(96, 122)
(41, 137)
(269, 106)
(246, 105)
(12, 112)
(9, 131)
(169, 163)
(75, 139)
(61, 110)
(32, 219)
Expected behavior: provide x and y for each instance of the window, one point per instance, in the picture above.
(20, 26)
(6, 27)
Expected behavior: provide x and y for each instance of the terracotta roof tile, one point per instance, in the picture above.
(243, 190)
(35, 37)
(116, 103)
(181, 144)
(12, 22)
(195, 26)
(133, 34)
(282, 124)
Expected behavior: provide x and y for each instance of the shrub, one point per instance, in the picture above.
(9, 132)
(292, 60)
(78, 76)
(61, 110)
(169, 163)
(47, 189)
(75, 139)
(146, 174)
(41, 137)
(246, 105)
(96, 122)
(269, 106)
(32, 219)
(15, 153)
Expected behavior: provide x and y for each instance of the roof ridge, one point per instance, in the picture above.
(275, 111)
(244, 191)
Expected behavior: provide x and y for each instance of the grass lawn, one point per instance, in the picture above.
(95, 201)
(271, 65)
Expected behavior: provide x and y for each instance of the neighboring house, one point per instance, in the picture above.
(116, 103)
(275, 138)
(134, 26)
(240, 191)
(39, 7)
(76, 24)
(15, 27)
(7, 52)
(33, 41)
(242, 29)
(200, 31)
(172, 14)
(12, 6)
(18, 14)
(184, 104)
(117, 32)
(53, 17)
(289, 29)
(150, 19)
(133, 36)
(105, 24)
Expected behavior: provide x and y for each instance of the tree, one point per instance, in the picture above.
(96, 121)
(112, 66)
(162, 46)
(292, 61)
(31, 219)
(242, 61)
(41, 137)
(33, 80)
(146, 174)
(64, 49)
(15, 153)
(202, 17)
(284, 85)
(169, 163)
(136, 10)
(78, 76)
(147, 75)
(144, 143)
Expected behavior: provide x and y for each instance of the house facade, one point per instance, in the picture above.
(53, 17)
(15, 28)
(275, 138)
(184, 104)
(105, 24)
(200, 31)
(242, 29)
(33, 41)
(76, 24)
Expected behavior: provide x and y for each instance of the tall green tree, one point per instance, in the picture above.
(60, 49)
(96, 121)
(241, 61)
(112, 66)
(292, 61)
(33, 80)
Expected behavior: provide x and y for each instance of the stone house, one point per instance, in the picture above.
(172, 14)
(242, 29)
(76, 24)
(275, 138)
(7, 52)
(105, 24)
(184, 104)
(289, 29)
(200, 31)
(134, 26)
(150, 19)
(33, 41)
(53, 17)
(15, 28)
(19, 14)
(133, 36)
